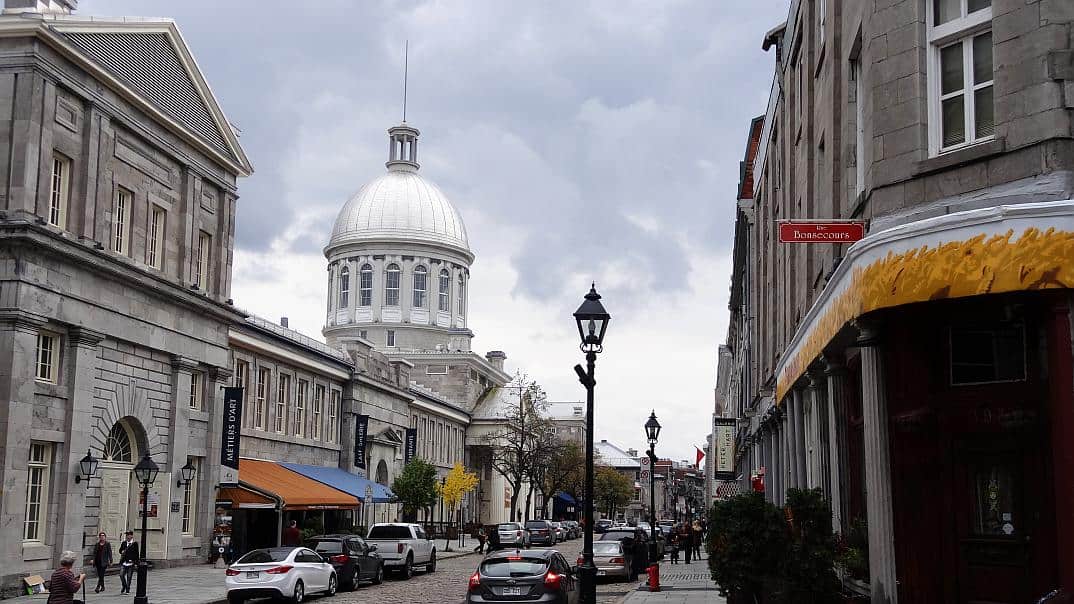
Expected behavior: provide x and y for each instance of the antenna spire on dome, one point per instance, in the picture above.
(406, 66)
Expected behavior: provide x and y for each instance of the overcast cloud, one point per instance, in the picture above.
(580, 141)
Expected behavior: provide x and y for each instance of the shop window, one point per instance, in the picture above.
(981, 356)
(994, 501)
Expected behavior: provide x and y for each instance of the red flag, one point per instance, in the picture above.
(700, 456)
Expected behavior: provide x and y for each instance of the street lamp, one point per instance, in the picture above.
(146, 472)
(87, 467)
(652, 432)
(186, 475)
(592, 322)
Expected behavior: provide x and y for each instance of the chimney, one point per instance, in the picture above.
(632, 452)
(496, 358)
(283, 321)
(63, 7)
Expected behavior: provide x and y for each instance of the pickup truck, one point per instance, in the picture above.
(402, 547)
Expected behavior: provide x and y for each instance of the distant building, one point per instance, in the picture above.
(626, 463)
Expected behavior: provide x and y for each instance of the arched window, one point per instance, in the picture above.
(382, 473)
(462, 295)
(344, 286)
(421, 278)
(118, 445)
(445, 286)
(365, 286)
(391, 285)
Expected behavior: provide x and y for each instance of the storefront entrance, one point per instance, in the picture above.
(116, 470)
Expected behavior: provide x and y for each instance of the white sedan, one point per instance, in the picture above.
(280, 572)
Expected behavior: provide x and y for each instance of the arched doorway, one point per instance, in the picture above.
(382, 473)
(121, 450)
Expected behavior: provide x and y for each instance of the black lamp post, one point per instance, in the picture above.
(592, 322)
(87, 468)
(186, 475)
(652, 433)
(146, 472)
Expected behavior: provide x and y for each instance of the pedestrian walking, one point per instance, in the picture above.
(128, 557)
(481, 538)
(102, 559)
(64, 584)
(697, 539)
(685, 538)
(291, 535)
(673, 543)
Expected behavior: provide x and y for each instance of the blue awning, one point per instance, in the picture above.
(343, 481)
(566, 497)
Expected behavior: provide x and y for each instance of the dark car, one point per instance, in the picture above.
(634, 541)
(530, 575)
(602, 525)
(541, 531)
(353, 559)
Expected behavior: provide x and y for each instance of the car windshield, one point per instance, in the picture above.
(537, 525)
(513, 567)
(326, 547)
(263, 556)
(607, 547)
(507, 527)
(389, 531)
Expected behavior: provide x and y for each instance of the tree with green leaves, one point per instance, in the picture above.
(416, 487)
(563, 469)
(611, 489)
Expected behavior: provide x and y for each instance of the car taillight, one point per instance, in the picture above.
(551, 580)
(280, 570)
(231, 572)
(475, 581)
(617, 560)
(399, 548)
(340, 559)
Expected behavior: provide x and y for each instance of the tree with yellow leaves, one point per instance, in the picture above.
(455, 486)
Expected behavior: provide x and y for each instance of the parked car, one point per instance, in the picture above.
(612, 560)
(403, 546)
(635, 542)
(561, 531)
(574, 530)
(355, 561)
(531, 575)
(541, 531)
(602, 525)
(661, 543)
(512, 534)
(279, 572)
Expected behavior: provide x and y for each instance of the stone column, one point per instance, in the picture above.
(793, 428)
(819, 405)
(877, 469)
(178, 445)
(350, 407)
(800, 440)
(835, 372)
(71, 497)
(785, 459)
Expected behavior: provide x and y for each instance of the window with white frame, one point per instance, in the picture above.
(332, 434)
(47, 357)
(37, 487)
(154, 245)
(421, 279)
(59, 190)
(195, 390)
(859, 126)
(260, 402)
(391, 285)
(344, 287)
(121, 220)
(300, 408)
(201, 264)
(365, 286)
(390, 338)
(960, 74)
(445, 287)
(283, 400)
(190, 498)
(462, 295)
(318, 409)
(242, 371)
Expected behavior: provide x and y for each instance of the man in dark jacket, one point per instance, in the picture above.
(102, 559)
(128, 558)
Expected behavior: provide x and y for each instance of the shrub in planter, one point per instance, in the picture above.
(809, 567)
(747, 541)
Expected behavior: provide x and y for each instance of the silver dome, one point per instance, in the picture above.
(400, 206)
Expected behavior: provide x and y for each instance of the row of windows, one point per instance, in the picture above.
(304, 416)
(121, 230)
(392, 280)
(439, 442)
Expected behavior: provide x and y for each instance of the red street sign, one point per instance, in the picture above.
(821, 232)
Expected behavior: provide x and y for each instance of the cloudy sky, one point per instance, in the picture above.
(581, 140)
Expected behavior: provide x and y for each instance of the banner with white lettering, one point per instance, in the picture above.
(410, 447)
(723, 440)
(229, 437)
(361, 431)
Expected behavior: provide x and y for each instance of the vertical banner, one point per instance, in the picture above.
(361, 431)
(410, 447)
(229, 437)
(723, 439)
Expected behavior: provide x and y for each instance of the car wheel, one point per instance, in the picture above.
(378, 576)
(331, 585)
(299, 593)
(431, 566)
(408, 567)
(235, 599)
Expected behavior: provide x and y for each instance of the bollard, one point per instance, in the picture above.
(654, 576)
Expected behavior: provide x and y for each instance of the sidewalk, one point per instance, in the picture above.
(680, 584)
(196, 584)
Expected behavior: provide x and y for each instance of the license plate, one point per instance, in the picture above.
(601, 573)
(253, 574)
(512, 591)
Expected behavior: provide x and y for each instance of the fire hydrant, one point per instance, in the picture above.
(654, 576)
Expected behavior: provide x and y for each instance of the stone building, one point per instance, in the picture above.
(921, 376)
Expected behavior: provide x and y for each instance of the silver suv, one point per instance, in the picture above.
(513, 534)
